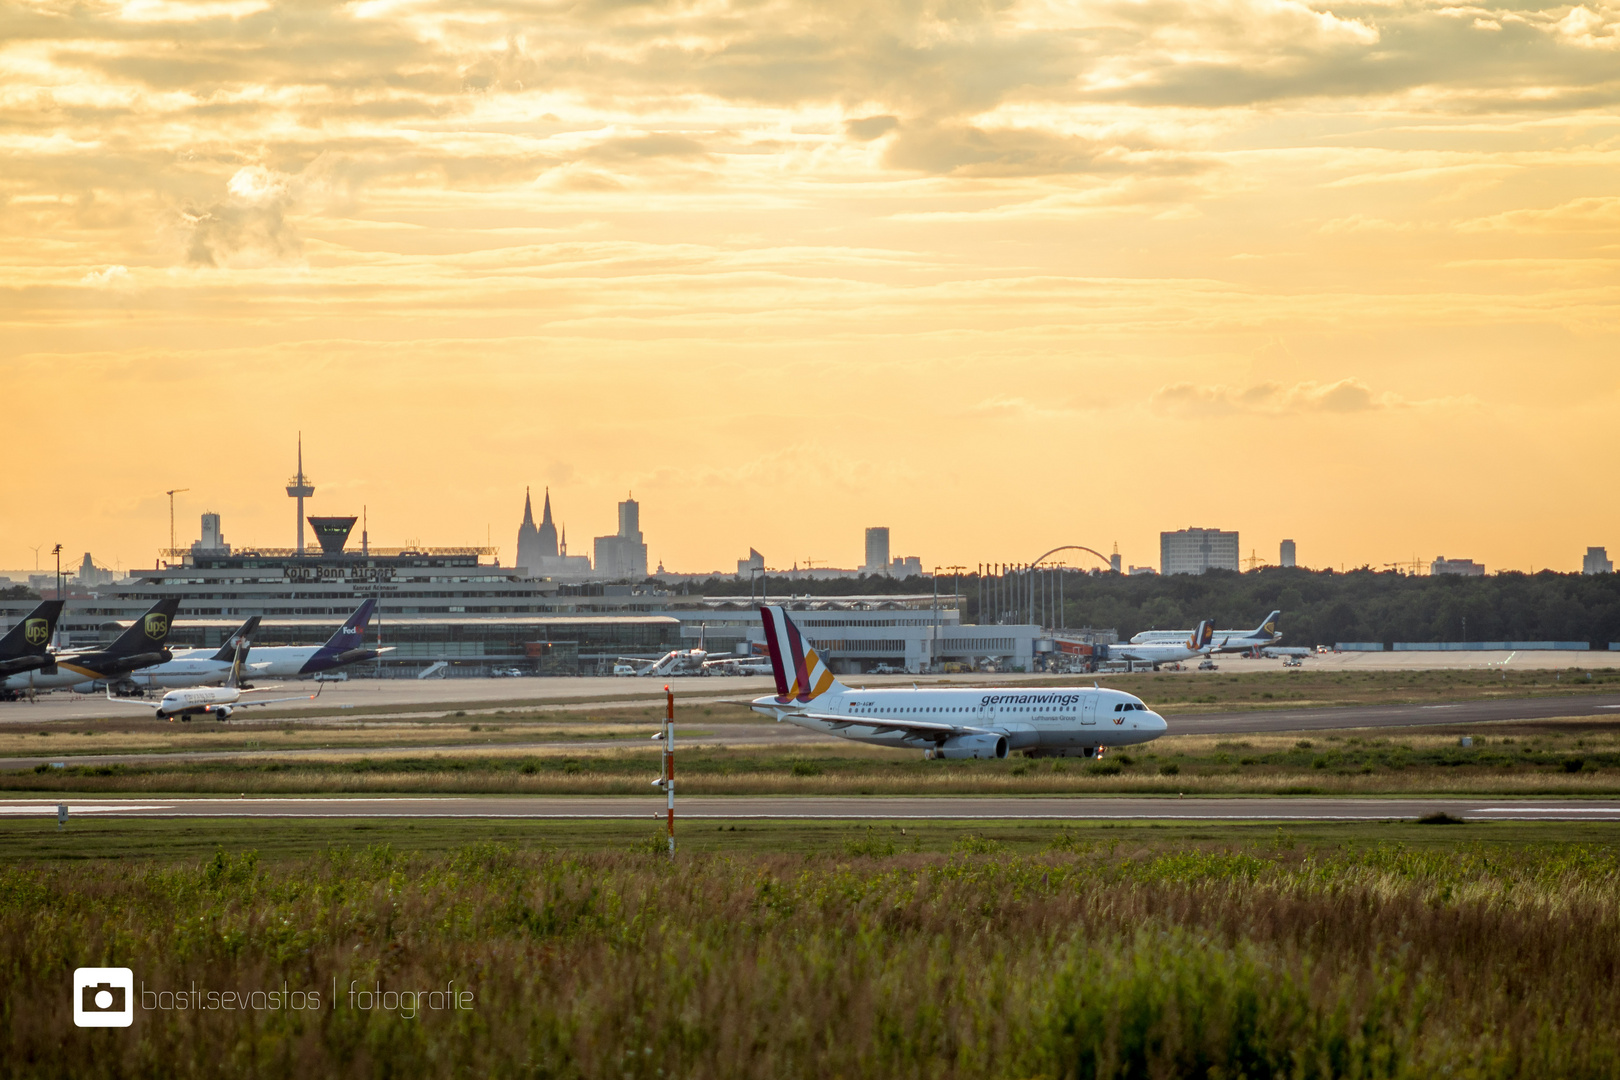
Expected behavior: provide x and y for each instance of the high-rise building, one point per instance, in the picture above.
(1193, 551)
(623, 555)
(1461, 567)
(877, 550)
(1285, 556)
(213, 537)
(751, 565)
(90, 575)
(1597, 561)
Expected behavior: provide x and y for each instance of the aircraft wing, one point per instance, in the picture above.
(736, 660)
(911, 727)
(272, 701)
(140, 702)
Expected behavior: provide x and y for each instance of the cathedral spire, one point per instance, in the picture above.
(528, 508)
(546, 535)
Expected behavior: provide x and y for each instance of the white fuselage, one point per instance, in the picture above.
(1220, 641)
(280, 661)
(197, 699)
(194, 667)
(1056, 720)
(1155, 652)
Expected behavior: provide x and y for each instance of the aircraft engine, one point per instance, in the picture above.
(973, 746)
(21, 664)
(221, 712)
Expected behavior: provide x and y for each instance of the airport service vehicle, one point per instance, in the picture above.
(26, 646)
(1198, 643)
(216, 701)
(190, 667)
(1222, 640)
(140, 646)
(341, 649)
(947, 722)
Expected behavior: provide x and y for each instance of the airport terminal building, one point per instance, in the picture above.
(457, 607)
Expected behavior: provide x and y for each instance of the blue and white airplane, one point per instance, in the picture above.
(341, 649)
(948, 722)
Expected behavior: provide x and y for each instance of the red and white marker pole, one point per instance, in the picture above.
(669, 762)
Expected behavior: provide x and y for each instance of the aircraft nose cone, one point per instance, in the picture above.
(1158, 722)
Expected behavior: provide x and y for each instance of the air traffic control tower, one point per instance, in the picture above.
(299, 487)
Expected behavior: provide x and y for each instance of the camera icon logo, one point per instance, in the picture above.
(103, 997)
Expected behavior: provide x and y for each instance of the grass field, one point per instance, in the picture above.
(820, 949)
(1231, 689)
(1543, 757)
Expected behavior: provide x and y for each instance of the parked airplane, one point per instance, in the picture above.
(216, 701)
(341, 649)
(1198, 643)
(190, 667)
(26, 646)
(1224, 640)
(140, 646)
(947, 722)
(675, 662)
(757, 662)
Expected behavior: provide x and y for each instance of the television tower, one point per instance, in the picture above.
(299, 487)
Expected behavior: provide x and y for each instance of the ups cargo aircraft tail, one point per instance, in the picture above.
(25, 647)
(947, 722)
(141, 646)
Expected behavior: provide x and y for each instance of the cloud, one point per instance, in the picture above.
(249, 227)
(113, 275)
(868, 128)
(1272, 399)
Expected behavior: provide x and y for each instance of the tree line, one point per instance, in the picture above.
(1319, 607)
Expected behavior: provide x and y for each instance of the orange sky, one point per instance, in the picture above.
(998, 275)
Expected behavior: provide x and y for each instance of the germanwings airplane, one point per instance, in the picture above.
(341, 649)
(947, 722)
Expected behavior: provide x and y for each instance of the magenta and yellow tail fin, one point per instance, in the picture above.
(801, 674)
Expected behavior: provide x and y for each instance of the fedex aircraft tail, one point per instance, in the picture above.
(352, 633)
(800, 673)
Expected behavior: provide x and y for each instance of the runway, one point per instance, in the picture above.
(838, 808)
(787, 735)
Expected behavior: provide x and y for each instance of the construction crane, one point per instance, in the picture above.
(171, 494)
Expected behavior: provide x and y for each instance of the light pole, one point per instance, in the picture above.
(57, 551)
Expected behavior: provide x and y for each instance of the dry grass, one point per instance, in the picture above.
(1571, 757)
(1088, 961)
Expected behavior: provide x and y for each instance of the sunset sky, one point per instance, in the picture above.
(1000, 276)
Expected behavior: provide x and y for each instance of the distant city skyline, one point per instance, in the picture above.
(254, 525)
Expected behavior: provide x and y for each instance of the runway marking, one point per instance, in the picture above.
(1546, 810)
(87, 808)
